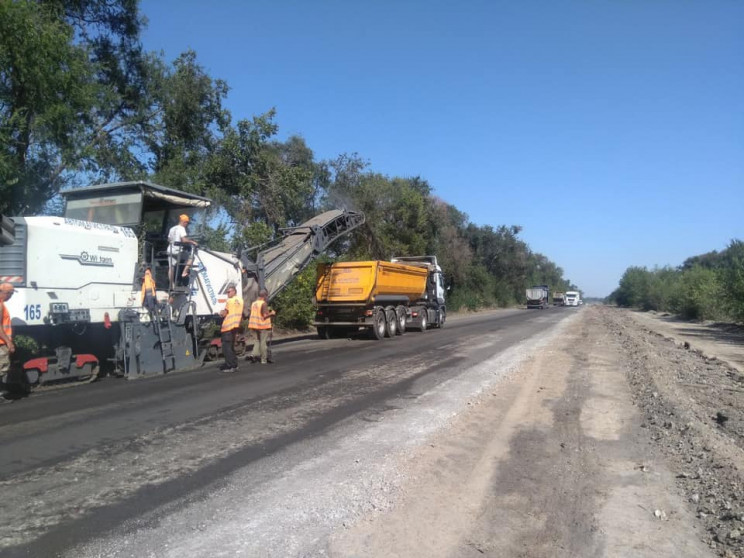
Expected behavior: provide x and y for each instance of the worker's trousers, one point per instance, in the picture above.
(260, 347)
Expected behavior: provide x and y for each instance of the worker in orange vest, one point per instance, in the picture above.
(232, 315)
(7, 347)
(260, 322)
(148, 300)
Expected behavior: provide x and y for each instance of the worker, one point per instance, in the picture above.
(177, 234)
(149, 299)
(260, 322)
(232, 314)
(7, 347)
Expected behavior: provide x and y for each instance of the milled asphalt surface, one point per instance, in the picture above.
(263, 462)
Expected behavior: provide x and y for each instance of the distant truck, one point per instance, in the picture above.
(559, 299)
(573, 298)
(538, 297)
(384, 298)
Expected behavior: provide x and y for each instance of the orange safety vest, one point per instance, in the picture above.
(257, 321)
(234, 307)
(148, 284)
(6, 325)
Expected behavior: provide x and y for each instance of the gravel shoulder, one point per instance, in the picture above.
(686, 381)
(556, 460)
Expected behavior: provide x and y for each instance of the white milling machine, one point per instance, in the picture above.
(78, 280)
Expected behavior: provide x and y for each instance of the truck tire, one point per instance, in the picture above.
(441, 318)
(391, 322)
(400, 314)
(424, 320)
(378, 324)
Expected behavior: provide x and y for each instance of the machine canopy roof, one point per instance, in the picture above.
(149, 190)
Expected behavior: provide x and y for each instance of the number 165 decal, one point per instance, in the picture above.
(32, 311)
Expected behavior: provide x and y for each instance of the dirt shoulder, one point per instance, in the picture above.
(687, 380)
(616, 441)
(724, 342)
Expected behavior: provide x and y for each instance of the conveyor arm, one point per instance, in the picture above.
(275, 266)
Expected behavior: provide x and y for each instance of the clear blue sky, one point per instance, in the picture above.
(612, 132)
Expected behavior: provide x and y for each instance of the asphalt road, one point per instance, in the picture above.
(84, 463)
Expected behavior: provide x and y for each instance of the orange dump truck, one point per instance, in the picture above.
(384, 298)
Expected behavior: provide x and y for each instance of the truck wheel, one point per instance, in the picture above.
(441, 318)
(378, 324)
(424, 323)
(391, 322)
(400, 314)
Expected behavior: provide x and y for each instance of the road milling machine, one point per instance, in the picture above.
(78, 280)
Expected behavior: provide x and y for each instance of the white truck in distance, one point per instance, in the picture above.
(573, 298)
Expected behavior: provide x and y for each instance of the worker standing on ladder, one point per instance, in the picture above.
(177, 253)
(149, 295)
(232, 314)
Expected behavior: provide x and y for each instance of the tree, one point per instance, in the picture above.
(187, 125)
(71, 84)
(732, 279)
(633, 289)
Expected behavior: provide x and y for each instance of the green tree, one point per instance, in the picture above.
(732, 279)
(294, 307)
(450, 245)
(71, 84)
(633, 289)
(699, 294)
(187, 123)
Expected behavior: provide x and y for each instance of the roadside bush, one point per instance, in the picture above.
(26, 348)
(662, 289)
(294, 305)
(634, 288)
(732, 279)
(462, 300)
(700, 295)
(481, 286)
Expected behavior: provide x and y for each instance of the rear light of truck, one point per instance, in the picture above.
(369, 312)
(414, 314)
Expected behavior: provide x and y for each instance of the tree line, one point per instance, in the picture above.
(82, 102)
(705, 287)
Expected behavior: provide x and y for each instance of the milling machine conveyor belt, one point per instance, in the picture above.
(276, 266)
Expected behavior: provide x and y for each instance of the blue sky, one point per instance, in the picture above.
(612, 132)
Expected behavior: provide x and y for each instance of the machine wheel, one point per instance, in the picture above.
(378, 324)
(240, 346)
(323, 332)
(391, 322)
(213, 352)
(424, 323)
(400, 314)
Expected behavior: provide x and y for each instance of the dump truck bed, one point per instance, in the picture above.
(360, 282)
(536, 294)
